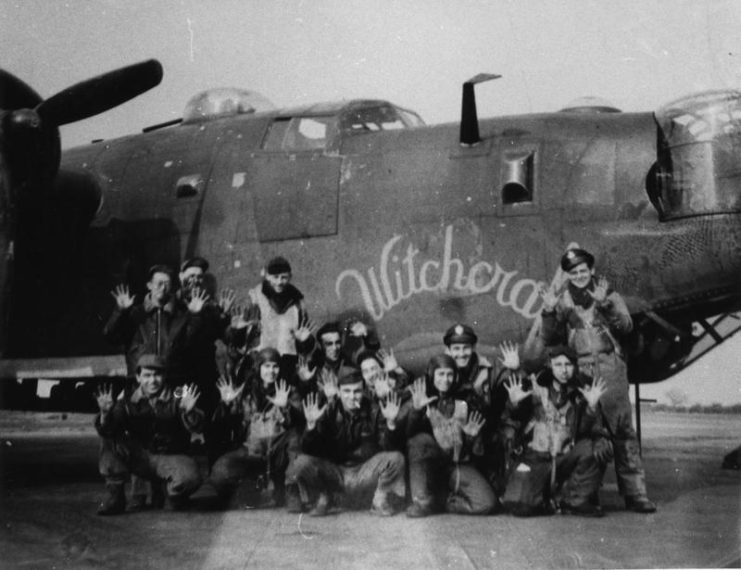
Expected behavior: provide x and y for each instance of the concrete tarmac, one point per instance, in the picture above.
(50, 491)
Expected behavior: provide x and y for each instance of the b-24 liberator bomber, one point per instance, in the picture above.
(408, 226)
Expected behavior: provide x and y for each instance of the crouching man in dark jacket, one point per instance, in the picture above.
(351, 447)
(147, 432)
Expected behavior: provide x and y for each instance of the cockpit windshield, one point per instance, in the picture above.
(699, 156)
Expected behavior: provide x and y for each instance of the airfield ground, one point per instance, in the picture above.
(50, 490)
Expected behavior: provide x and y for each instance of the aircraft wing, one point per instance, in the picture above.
(60, 368)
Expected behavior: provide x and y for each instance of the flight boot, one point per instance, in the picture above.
(381, 506)
(115, 502)
(138, 503)
(159, 494)
(640, 505)
(293, 501)
(322, 506)
(417, 510)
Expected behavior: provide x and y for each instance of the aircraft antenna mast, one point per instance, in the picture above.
(469, 118)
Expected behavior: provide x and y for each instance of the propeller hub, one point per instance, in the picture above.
(24, 119)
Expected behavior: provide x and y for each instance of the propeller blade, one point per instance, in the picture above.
(100, 93)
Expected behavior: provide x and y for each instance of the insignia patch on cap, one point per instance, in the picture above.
(459, 330)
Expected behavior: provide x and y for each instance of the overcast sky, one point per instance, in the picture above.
(416, 53)
(637, 54)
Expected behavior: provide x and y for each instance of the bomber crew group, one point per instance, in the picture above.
(324, 420)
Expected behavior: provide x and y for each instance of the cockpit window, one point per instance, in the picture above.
(698, 170)
(379, 118)
(300, 133)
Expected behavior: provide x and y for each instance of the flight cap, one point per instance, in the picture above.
(151, 361)
(160, 268)
(267, 354)
(330, 327)
(194, 262)
(278, 265)
(349, 376)
(562, 349)
(576, 256)
(460, 334)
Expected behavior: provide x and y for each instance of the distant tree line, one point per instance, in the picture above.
(678, 402)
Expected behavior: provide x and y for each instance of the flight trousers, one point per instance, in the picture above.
(256, 465)
(577, 479)
(617, 414)
(436, 483)
(358, 484)
(120, 458)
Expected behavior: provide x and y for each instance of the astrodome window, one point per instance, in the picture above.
(224, 102)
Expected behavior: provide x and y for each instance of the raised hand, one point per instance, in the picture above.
(197, 300)
(328, 383)
(280, 400)
(600, 290)
(475, 422)
(124, 299)
(515, 391)
(104, 397)
(389, 360)
(381, 386)
(227, 390)
(358, 328)
(593, 393)
(304, 372)
(305, 329)
(312, 411)
(189, 397)
(390, 409)
(239, 317)
(510, 357)
(419, 394)
(602, 450)
(226, 299)
(548, 294)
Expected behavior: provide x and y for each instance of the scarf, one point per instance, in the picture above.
(281, 301)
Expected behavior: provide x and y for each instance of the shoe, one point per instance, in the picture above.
(177, 503)
(138, 503)
(640, 505)
(158, 495)
(322, 506)
(382, 507)
(418, 511)
(293, 500)
(115, 502)
(584, 510)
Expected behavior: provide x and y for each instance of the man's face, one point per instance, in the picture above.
(279, 281)
(461, 352)
(331, 346)
(191, 278)
(269, 372)
(443, 379)
(563, 368)
(151, 381)
(581, 275)
(370, 369)
(160, 286)
(351, 395)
